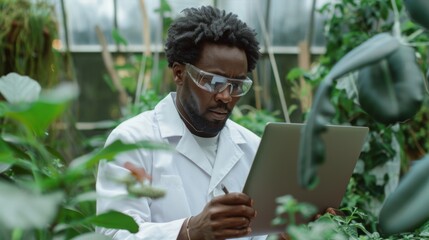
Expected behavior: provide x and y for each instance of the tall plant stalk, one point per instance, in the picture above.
(274, 66)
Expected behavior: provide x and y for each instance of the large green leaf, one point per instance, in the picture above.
(312, 149)
(392, 90)
(37, 116)
(27, 210)
(418, 11)
(114, 219)
(406, 208)
(16, 88)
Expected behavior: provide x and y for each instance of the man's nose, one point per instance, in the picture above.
(225, 95)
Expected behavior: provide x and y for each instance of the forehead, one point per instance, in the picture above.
(223, 59)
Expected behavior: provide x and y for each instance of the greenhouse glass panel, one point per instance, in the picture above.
(84, 15)
(287, 21)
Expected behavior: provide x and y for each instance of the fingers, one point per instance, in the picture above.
(232, 233)
(220, 210)
(226, 216)
(221, 228)
(231, 227)
(232, 223)
(235, 198)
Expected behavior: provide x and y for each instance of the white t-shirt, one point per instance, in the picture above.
(209, 146)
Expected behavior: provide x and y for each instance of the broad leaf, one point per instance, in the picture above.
(392, 90)
(16, 88)
(38, 115)
(418, 11)
(312, 149)
(27, 210)
(370, 51)
(406, 208)
(115, 220)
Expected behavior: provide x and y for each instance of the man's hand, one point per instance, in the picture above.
(226, 216)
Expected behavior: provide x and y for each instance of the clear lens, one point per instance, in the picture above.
(214, 83)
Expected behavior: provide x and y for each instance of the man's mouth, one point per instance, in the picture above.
(219, 113)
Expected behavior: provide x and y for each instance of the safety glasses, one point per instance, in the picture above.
(214, 83)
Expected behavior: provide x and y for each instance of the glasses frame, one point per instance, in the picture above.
(227, 81)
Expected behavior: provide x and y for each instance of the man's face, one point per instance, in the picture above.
(205, 113)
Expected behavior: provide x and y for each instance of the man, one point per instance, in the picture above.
(210, 53)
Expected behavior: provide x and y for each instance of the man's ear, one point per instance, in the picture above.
(178, 73)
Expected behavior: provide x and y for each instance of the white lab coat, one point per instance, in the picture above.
(186, 175)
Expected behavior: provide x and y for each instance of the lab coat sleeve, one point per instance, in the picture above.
(113, 195)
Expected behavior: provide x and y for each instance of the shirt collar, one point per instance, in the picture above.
(171, 125)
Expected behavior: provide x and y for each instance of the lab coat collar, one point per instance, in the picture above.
(171, 125)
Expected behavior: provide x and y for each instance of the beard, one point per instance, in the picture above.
(199, 122)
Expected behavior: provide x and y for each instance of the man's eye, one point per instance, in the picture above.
(236, 86)
(218, 85)
(205, 79)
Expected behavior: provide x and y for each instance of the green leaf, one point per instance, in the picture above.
(90, 160)
(38, 115)
(115, 220)
(371, 51)
(164, 7)
(295, 73)
(16, 88)
(406, 208)
(117, 37)
(392, 90)
(5, 152)
(6, 156)
(92, 236)
(26, 210)
(418, 11)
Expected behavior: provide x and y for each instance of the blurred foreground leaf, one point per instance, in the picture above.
(27, 210)
(38, 115)
(115, 220)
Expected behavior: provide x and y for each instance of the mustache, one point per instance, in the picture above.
(222, 106)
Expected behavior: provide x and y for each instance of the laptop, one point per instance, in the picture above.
(274, 171)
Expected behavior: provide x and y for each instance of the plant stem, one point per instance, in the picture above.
(274, 67)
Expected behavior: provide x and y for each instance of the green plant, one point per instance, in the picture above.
(360, 64)
(28, 29)
(253, 119)
(62, 195)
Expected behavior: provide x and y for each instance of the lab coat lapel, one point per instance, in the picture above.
(228, 155)
(189, 147)
(172, 126)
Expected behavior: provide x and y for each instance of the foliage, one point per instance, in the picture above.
(330, 226)
(27, 31)
(62, 196)
(254, 119)
(350, 24)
